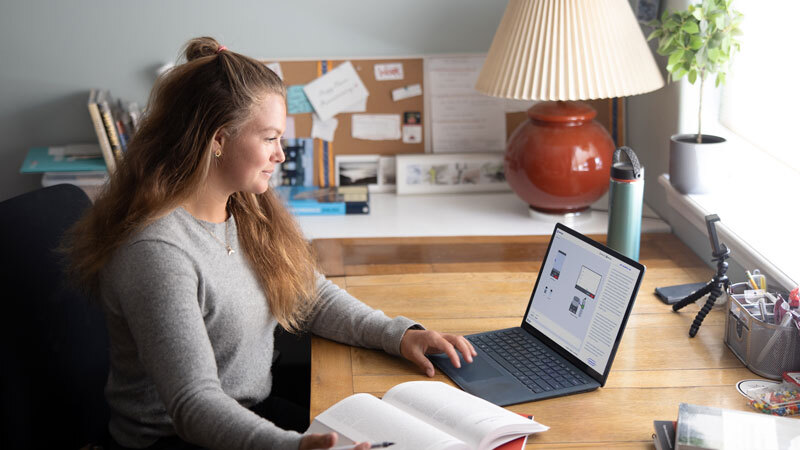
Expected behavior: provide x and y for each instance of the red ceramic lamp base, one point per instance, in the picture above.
(559, 161)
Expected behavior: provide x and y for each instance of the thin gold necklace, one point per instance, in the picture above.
(226, 244)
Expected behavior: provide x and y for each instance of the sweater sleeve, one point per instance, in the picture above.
(157, 288)
(341, 317)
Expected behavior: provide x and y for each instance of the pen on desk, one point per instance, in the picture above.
(372, 445)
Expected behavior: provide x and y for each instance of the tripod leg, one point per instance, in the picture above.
(716, 291)
(691, 298)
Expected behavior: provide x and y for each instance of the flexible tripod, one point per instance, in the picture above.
(716, 286)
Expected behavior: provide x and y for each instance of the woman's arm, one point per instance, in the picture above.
(341, 317)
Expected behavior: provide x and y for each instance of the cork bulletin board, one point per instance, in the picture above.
(379, 102)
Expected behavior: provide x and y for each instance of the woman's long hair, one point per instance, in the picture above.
(168, 160)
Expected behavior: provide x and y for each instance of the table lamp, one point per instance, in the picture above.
(561, 51)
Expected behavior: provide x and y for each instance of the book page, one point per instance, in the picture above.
(475, 421)
(362, 417)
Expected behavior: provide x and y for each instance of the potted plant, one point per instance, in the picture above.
(699, 43)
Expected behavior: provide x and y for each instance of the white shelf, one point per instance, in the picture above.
(473, 214)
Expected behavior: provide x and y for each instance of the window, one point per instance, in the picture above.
(759, 195)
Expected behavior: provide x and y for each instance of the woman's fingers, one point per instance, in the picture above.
(320, 441)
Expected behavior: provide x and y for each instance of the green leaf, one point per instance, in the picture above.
(654, 34)
(713, 55)
(675, 57)
(690, 27)
(692, 76)
(697, 12)
(696, 42)
(720, 21)
(678, 74)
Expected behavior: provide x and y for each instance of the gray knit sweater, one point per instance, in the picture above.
(192, 337)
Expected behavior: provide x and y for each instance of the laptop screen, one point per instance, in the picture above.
(582, 297)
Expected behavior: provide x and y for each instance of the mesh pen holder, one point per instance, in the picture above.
(765, 348)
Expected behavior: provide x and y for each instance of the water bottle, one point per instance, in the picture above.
(625, 203)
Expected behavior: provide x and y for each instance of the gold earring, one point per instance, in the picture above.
(218, 153)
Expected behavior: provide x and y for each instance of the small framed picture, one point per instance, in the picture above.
(356, 170)
(442, 173)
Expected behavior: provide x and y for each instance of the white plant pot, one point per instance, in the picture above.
(693, 167)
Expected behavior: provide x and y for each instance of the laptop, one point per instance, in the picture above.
(569, 334)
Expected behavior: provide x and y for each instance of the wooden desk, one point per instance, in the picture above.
(468, 285)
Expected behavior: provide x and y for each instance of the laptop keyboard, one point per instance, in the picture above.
(528, 360)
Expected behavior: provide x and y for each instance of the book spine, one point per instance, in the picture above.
(322, 209)
(100, 130)
(108, 121)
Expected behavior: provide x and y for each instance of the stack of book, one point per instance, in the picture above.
(114, 123)
(704, 427)
(80, 164)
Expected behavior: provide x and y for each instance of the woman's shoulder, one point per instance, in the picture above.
(173, 228)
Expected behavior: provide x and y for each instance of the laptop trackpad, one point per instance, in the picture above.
(478, 369)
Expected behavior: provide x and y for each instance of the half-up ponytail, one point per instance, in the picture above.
(168, 160)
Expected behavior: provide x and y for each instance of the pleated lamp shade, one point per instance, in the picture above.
(568, 50)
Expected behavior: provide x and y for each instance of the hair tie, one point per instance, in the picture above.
(221, 48)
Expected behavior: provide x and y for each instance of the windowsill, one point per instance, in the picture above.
(758, 228)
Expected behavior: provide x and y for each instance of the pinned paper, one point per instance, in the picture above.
(412, 134)
(296, 100)
(406, 92)
(376, 127)
(289, 132)
(323, 129)
(391, 71)
(275, 67)
(336, 91)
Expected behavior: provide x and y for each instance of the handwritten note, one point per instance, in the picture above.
(336, 91)
(391, 71)
(296, 100)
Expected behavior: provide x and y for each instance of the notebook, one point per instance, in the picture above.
(569, 334)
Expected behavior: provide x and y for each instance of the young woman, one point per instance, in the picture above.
(195, 262)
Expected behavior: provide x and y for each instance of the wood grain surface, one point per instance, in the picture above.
(468, 285)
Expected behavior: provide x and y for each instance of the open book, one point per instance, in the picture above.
(420, 415)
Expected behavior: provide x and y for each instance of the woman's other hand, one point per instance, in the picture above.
(417, 343)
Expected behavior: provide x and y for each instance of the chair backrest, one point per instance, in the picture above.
(54, 342)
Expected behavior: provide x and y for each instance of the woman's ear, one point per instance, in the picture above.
(219, 139)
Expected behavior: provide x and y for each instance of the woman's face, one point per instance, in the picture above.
(249, 158)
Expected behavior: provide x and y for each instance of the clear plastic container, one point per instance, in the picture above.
(780, 399)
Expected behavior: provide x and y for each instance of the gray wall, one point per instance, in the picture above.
(53, 52)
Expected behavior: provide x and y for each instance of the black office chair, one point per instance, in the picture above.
(54, 343)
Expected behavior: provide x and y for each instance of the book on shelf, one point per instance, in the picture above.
(424, 415)
(100, 131)
(114, 123)
(69, 158)
(103, 100)
(336, 200)
(706, 427)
